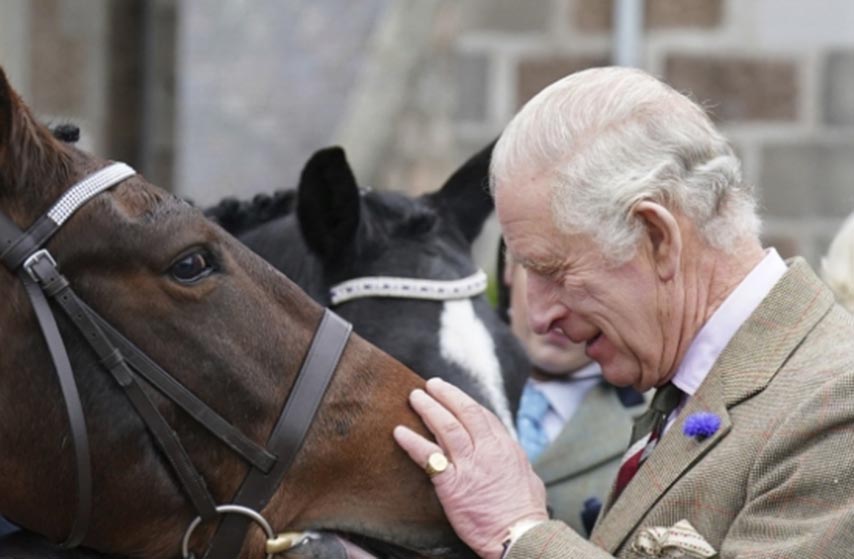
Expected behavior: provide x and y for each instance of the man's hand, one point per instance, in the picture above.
(489, 485)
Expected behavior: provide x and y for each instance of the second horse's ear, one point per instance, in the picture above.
(465, 196)
(328, 203)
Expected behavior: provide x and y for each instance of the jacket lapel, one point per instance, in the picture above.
(746, 366)
(600, 416)
(673, 455)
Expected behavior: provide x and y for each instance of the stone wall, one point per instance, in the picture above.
(231, 101)
(777, 76)
(105, 66)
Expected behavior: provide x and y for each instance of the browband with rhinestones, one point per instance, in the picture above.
(408, 288)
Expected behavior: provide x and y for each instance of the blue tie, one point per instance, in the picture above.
(529, 422)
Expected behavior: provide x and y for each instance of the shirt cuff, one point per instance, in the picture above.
(515, 532)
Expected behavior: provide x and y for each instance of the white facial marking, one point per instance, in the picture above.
(465, 341)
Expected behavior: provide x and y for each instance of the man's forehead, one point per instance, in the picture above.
(533, 251)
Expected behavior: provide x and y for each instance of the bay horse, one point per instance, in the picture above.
(124, 265)
(399, 268)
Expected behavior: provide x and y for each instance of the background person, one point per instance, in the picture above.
(573, 426)
(837, 267)
(628, 210)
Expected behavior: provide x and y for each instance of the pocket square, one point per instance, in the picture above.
(680, 540)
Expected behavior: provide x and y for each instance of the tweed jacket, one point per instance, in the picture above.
(582, 461)
(777, 478)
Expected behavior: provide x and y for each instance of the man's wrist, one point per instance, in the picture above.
(516, 531)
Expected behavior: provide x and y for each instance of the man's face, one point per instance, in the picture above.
(553, 353)
(620, 313)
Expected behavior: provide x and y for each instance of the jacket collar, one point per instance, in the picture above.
(747, 365)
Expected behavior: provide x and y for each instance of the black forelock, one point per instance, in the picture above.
(66, 132)
(401, 215)
(239, 216)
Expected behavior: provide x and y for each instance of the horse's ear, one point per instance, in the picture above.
(328, 203)
(465, 195)
(6, 113)
(30, 157)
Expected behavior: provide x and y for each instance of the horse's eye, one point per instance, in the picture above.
(193, 267)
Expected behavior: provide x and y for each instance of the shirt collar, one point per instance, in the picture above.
(564, 396)
(725, 322)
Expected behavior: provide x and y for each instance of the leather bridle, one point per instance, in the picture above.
(23, 253)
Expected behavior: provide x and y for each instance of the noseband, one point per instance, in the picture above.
(23, 254)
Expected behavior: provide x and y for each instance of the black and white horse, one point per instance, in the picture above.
(399, 268)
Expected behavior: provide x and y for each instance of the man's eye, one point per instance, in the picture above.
(193, 267)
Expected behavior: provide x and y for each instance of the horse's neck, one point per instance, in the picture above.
(280, 243)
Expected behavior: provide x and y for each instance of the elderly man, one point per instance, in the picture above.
(628, 210)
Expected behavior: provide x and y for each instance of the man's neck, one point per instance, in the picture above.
(710, 277)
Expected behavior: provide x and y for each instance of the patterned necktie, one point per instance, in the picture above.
(646, 433)
(529, 422)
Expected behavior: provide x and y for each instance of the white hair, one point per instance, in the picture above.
(837, 267)
(608, 138)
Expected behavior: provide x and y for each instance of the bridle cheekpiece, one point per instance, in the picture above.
(23, 253)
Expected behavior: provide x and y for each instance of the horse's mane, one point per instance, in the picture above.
(238, 216)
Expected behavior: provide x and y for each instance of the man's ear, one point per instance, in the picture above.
(662, 235)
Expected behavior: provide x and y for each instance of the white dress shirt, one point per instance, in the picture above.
(723, 324)
(565, 395)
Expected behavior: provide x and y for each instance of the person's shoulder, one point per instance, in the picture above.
(824, 358)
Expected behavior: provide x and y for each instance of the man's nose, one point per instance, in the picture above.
(544, 307)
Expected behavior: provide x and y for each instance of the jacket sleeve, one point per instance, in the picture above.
(554, 540)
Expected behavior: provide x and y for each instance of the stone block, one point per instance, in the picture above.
(472, 87)
(738, 89)
(808, 179)
(838, 85)
(597, 15)
(513, 16)
(58, 62)
(536, 73)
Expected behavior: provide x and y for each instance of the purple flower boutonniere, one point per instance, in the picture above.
(701, 425)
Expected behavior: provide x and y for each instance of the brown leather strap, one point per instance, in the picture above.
(28, 243)
(73, 407)
(11, 239)
(289, 433)
(56, 286)
(178, 393)
(9, 233)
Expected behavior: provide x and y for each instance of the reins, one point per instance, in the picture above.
(23, 254)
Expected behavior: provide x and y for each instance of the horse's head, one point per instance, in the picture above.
(225, 325)
(340, 232)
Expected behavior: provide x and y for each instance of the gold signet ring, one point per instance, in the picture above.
(436, 464)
